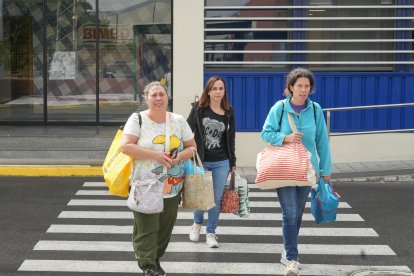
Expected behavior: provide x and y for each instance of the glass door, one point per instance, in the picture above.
(21, 61)
(71, 67)
(135, 48)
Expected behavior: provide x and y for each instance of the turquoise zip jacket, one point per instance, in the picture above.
(315, 134)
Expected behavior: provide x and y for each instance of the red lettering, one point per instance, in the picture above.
(87, 34)
(103, 33)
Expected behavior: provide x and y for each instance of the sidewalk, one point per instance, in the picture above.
(80, 150)
(345, 172)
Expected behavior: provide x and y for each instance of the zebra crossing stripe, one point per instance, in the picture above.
(248, 248)
(93, 192)
(122, 202)
(223, 230)
(97, 202)
(209, 268)
(271, 216)
(103, 184)
(189, 215)
(94, 184)
(276, 204)
(277, 231)
(106, 192)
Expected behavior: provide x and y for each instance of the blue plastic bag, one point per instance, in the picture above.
(324, 202)
(189, 168)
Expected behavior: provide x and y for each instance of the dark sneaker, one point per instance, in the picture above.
(160, 271)
(150, 272)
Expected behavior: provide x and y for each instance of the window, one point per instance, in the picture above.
(331, 35)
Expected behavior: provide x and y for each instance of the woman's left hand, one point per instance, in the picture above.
(176, 160)
(233, 169)
(326, 178)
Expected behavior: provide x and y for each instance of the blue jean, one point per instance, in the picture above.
(220, 171)
(292, 201)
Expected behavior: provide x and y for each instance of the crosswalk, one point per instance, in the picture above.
(93, 235)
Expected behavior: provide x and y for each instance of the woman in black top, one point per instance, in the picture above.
(212, 120)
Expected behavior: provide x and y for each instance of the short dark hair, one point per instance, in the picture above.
(294, 75)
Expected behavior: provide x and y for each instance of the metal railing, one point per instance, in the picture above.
(329, 110)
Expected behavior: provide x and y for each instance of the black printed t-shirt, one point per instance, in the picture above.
(215, 140)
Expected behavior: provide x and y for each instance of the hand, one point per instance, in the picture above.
(176, 160)
(295, 137)
(326, 178)
(233, 169)
(163, 159)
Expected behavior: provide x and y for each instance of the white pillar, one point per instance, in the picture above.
(188, 50)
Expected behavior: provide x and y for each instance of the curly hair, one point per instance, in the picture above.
(294, 75)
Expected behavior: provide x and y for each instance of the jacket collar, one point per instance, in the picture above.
(289, 108)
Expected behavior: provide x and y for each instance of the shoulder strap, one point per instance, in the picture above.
(281, 115)
(314, 111)
(139, 119)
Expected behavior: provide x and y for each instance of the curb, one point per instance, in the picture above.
(385, 178)
(90, 170)
(62, 171)
(381, 179)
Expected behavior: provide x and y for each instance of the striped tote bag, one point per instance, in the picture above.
(286, 165)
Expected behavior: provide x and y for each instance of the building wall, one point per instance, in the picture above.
(187, 53)
(253, 94)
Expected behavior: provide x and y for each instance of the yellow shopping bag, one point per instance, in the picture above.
(117, 168)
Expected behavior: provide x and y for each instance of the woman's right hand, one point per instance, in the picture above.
(163, 159)
(295, 137)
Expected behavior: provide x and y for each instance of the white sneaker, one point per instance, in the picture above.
(283, 259)
(195, 232)
(292, 268)
(211, 240)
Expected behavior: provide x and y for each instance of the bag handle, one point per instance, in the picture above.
(232, 181)
(195, 154)
(167, 138)
(148, 188)
(292, 123)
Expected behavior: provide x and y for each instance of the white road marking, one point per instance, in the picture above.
(209, 268)
(248, 248)
(122, 202)
(222, 230)
(189, 215)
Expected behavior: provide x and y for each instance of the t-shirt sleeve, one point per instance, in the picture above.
(132, 125)
(186, 132)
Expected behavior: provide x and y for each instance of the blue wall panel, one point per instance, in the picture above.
(253, 94)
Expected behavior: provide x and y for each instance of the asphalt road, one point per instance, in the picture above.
(388, 208)
(28, 206)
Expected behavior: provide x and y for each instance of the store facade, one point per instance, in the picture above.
(86, 61)
(80, 61)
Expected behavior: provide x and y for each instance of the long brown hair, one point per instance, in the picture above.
(205, 98)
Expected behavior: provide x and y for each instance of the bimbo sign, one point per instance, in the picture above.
(106, 33)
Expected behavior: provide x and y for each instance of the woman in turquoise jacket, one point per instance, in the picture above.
(312, 132)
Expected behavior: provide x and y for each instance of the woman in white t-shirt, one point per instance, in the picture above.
(145, 142)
